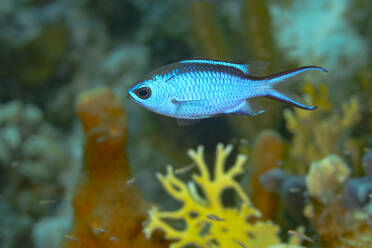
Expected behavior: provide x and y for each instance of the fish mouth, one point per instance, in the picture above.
(130, 96)
(133, 97)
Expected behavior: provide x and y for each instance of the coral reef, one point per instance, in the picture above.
(339, 207)
(107, 211)
(335, 225)
(207, 221)
(326, 177)
(318, 133)
(52, 50)
(31, 36)
(33, 158)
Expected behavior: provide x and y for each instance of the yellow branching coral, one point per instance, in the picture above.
(318, 95)
(207, 222)
(321, 132)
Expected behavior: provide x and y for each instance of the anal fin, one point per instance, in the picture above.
(248, 108)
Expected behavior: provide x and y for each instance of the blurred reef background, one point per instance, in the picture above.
(83, 166)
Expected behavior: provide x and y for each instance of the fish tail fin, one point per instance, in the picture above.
(278, 82)
(290, 98)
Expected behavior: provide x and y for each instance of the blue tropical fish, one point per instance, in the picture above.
(197, 89)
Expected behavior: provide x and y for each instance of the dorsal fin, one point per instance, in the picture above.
(239, 66)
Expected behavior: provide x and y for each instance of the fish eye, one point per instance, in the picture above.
(143, 92)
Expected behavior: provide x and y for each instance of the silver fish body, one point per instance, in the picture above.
(197, 89)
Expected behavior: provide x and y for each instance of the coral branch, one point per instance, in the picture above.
(207, 222)
(319, 133)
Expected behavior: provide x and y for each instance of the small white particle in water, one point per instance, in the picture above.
(102, 139)
(214, 217)
(72, 238)
(240, 243)
(113, 238)
(209, 244)
(244, 142)
(131, 181)
(347, 152)
(98, 230)
(301, 236)
(294, 190)
(184, 169)
(280, 162)
(14, 164)
(43, 202)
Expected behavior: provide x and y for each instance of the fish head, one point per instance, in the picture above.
(151, 94)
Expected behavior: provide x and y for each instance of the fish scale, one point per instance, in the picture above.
(216, 86)
(196, 89)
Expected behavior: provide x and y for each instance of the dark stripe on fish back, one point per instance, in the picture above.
(181, 68)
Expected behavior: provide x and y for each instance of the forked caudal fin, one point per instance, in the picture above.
(278, 91)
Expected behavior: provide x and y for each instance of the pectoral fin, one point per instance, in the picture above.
(189, 103)
(190, 106)
(248, 108)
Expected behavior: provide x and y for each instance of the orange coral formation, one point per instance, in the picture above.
(108, 212)
(267, 153)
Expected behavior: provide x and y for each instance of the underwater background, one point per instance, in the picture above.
(83, 166)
